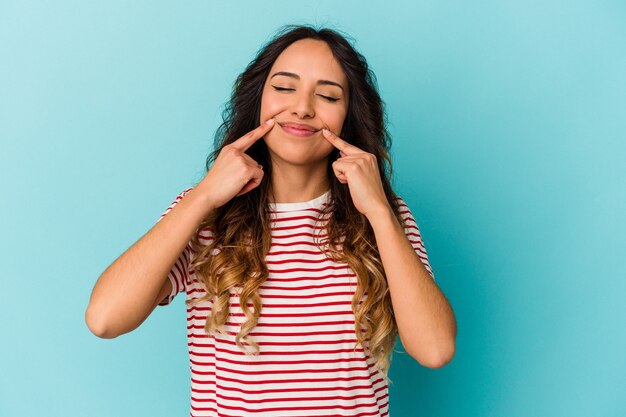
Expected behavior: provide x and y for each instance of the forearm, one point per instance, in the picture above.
(125, 293)
(425, 319)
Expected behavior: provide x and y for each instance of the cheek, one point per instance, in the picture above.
(270, 107)
(334, 120)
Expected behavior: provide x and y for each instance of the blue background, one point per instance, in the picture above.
(509, 127)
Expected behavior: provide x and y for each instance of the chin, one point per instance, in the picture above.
(297, 157)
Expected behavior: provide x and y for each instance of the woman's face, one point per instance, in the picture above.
(306, 85)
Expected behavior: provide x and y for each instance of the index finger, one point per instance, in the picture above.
(244, 142)
(340, 144)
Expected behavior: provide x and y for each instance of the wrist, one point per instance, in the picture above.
(383, 214)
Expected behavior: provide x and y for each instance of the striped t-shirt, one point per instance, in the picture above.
(307, 365)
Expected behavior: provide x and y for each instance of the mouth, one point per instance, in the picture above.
(298, 131)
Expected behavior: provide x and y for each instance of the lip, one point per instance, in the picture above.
(297, 129)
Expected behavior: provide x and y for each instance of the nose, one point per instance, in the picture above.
(303, 105)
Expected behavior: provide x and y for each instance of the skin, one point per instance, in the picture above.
(299, 163)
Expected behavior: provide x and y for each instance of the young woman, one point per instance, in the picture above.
(299, 263)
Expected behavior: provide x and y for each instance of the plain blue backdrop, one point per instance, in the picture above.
(509, 129)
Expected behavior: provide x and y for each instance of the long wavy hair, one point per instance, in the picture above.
(241, 227)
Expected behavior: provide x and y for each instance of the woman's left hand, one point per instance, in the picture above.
(359, 169)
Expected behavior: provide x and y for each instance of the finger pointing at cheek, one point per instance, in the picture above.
(344, 147)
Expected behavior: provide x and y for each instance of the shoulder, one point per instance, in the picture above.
(184, 193)
(403, 208)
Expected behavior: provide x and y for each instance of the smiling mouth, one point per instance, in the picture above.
(298, 132)
(309, 129)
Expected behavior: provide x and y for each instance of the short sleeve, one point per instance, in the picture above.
(179, 274)
(415, 237)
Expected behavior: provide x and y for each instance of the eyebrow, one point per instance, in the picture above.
(297, 77)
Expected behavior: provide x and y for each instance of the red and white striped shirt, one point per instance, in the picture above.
(306, 365)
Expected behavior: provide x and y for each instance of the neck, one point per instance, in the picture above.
(294, 184)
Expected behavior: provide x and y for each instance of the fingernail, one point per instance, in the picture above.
(269, 122)
(325, 131)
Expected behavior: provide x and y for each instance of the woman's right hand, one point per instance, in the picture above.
(234, 172)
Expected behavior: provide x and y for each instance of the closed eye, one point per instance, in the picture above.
(331, 99)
